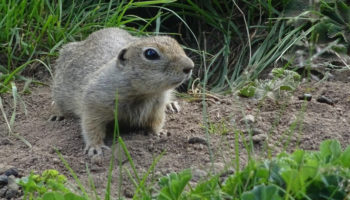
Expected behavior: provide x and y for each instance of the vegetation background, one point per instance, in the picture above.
(234, 43)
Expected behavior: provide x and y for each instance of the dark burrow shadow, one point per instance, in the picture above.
(125, 131)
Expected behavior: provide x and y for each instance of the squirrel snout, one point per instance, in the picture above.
(187, 70)
(188, 66)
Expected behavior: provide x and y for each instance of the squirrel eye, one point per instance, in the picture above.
(151, 54)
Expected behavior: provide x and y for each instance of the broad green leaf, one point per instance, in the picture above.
(172, 186)
(340, 48)
(294, 180)
(53, 196)
(262, 192)
(71, 196)
(330, 150)
(248, 90)
(298, 156)
(262, 174)
(275, 175)
(278, 72)
(286, 87)
(207, 190)
(345, 157)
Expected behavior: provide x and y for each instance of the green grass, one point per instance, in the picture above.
(230, 38)
(37, 29)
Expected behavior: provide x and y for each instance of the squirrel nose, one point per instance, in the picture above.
(189, 66)
(187, 70)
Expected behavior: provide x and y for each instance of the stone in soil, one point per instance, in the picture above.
(3, 192)
(12, 171)
(198, 174)
(10, 194)
(11, 190)
(12, 185)
(3, 180)
(323, 99)
(218, 167)
(306, 97)
(128, 192)
(8, 186)
(259, 138)
(197, 140)
(254, 131)
(248, 119)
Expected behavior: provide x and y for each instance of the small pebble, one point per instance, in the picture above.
(96, 161)
(198, 174)
(254, 131)
(96, 168)
(218, 167)
(12, 183)
(3, 192)
(150, 147)
(3, 180)
(197, 140)
(158, 174)
(12, 188)
(323, 99)
(227, 173)
(259, 138)
(128, 193)
(10, 194)
(198, 147)
(56, 161)
(306, 97)
(248, 119)
(12, 171)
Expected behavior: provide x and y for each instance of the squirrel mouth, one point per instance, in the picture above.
(178, 82)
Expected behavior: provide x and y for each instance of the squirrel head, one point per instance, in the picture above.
(155, 63)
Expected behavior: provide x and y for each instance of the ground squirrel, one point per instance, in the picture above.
(143, 70)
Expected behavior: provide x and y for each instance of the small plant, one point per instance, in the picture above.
(172, 186)
(334, 21)
(219, 127)
(323, 174)
(301, 175)
(49, 185)
(282, 81)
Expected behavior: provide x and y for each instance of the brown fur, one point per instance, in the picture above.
(89, 73)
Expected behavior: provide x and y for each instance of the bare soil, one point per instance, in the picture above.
(277, 125)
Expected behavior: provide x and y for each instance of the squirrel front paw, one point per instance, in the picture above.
(173, 107)
(95, 150)
(56, 118)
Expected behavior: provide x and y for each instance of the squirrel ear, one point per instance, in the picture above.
(121, 56)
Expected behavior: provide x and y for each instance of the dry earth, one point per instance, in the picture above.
(279, 124)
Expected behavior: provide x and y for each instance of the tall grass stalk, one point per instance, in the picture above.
(204, 110)
(71, 171)
(92, 183)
